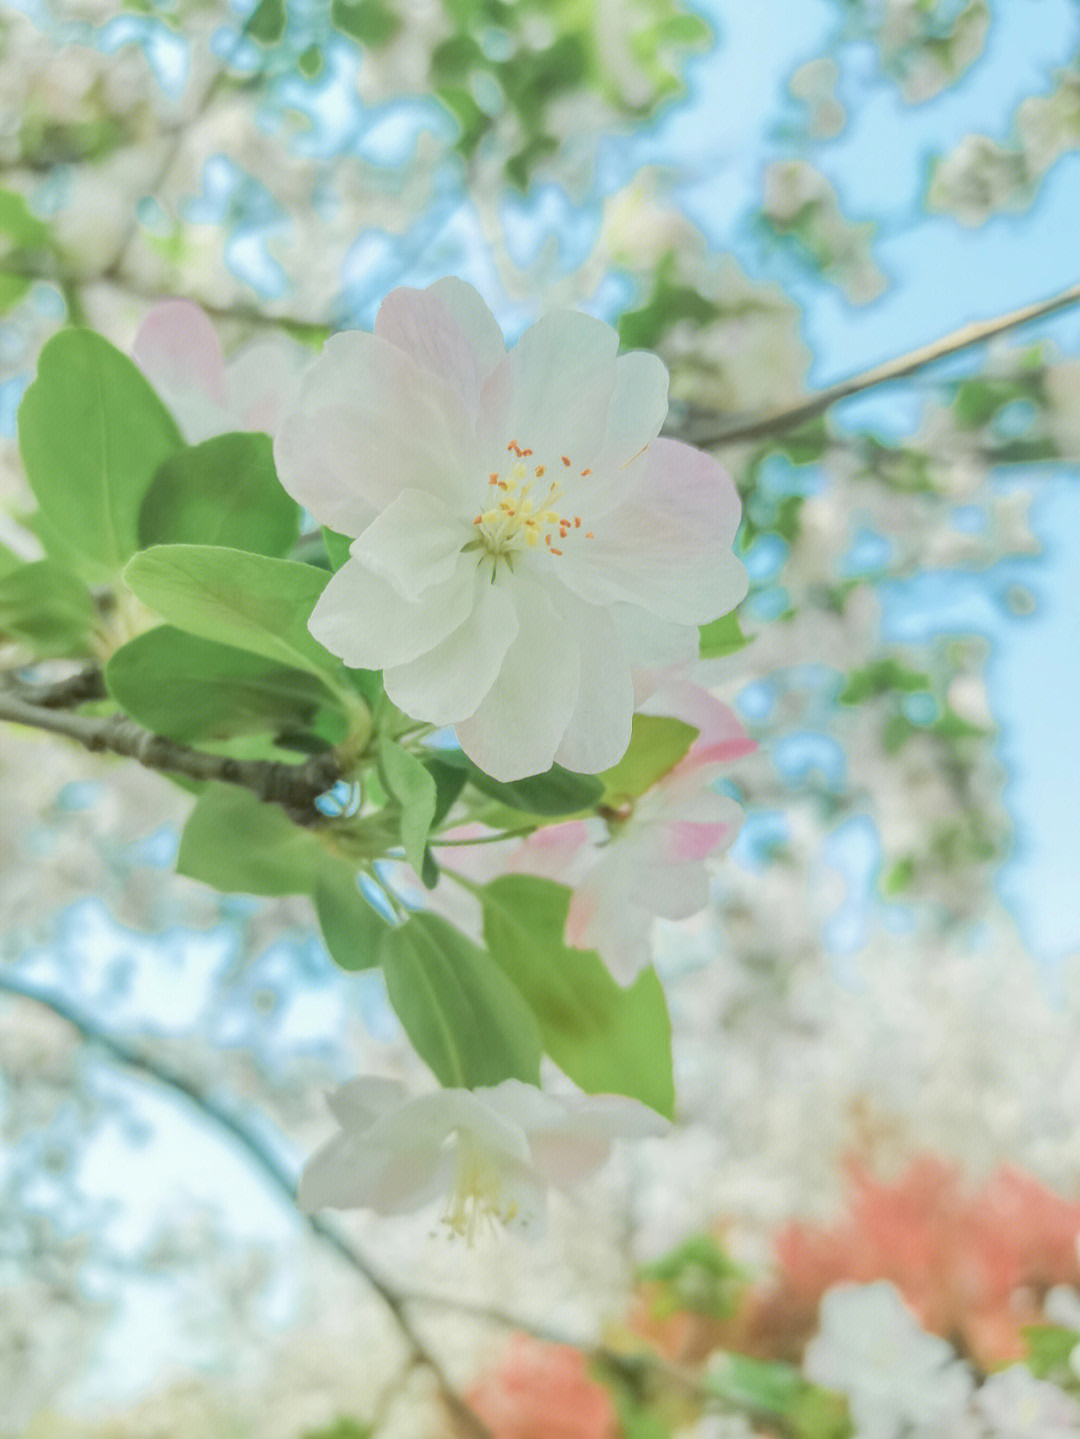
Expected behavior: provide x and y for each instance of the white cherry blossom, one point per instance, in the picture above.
(523, 538)
(179, 352)
(899, 1380)
(493, 1152)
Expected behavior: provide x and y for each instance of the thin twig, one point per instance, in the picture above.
(710, 434)
(85, 685)
(224, 1117)
(295, 787)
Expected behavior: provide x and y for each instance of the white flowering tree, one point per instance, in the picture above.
(424, 621)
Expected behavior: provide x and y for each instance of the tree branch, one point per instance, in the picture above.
(295, 787)
(709, 434)
(221, 1115)
(85, 685)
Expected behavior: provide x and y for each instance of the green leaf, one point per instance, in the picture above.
(878, 679)
(13, 288)
(609, 1040)
(337, 547)
(222, 492)
(372, 22)
(556, 792)
(698, 1277)
(310, 62)
(351, 928)
(657, 744)
(449, 782)
(47, 607)
(92, 435)
(721, 637)
(250, 601)
(1049, 1349)
(406, 778)
(19, 223)
(266, 22)
(463, 1016)
(189, 689)
(238, 843)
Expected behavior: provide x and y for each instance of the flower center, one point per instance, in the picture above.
(478, 1200)
(523, 515)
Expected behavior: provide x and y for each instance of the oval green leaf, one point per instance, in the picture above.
(222, 492)
(464, 1018)
(93, 434)
(193, 689)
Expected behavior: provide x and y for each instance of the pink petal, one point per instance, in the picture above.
(369, 423)
(178, 350)
(667, 548)
(685, 840)
(419, 322)
(474, 319)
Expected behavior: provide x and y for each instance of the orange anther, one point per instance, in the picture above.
(513, 445)
(554, 551)
(539, 470)
(493, 478)
(589, 535)
(479, 520)
(586, 472)
(566, 461)
(577, 522)
(525, 452)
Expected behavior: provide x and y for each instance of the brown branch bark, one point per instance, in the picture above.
(295, 787)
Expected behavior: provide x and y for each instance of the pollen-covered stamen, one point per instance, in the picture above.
(524, 516)
(478, 1200)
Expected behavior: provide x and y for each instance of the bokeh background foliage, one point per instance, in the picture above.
(773, 197)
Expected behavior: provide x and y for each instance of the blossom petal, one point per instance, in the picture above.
(668, 548)
(368, 422)
(638, 407)
(448, 683)
(365, 621)
(419, 322)
(350, 1173)
(264, 380)
(414, 543)
(653, 642)
(598, 731)
(523, 717)
(359, 1102)
(475, 320)
(177, 348)
(552, 391)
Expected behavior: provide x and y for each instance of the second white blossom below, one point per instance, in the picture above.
(492, 1153)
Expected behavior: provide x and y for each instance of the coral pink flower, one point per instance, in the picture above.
(543, 1391)
(178, 351)
(973, 1266)
(523, 538)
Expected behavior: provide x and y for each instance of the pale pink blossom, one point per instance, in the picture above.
(178, 351)
(524, 539)
(648, 860)
(494, 1151)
